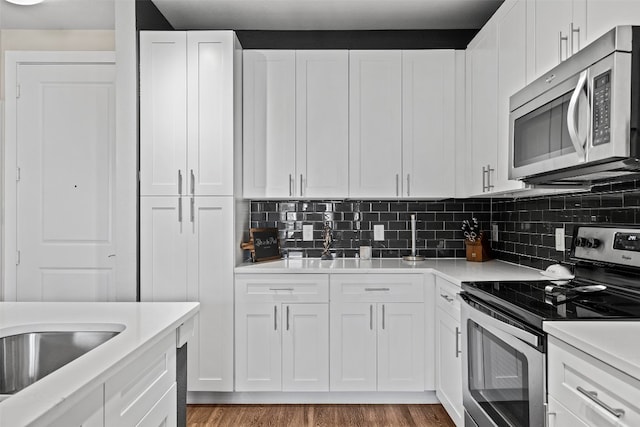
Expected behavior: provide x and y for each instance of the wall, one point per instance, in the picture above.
(52, 40)
(527, 226)
(438, 225)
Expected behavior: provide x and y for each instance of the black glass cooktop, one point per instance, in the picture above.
(530, 302)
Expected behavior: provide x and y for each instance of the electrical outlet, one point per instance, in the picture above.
(378, 232)
(559, 239)
(307, 232)
(494, 232)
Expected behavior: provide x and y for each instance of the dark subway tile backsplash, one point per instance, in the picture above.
(527, 226)
(437, 225)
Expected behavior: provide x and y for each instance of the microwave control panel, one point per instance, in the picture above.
(602, 108)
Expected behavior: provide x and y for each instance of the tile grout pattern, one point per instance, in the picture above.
(527, 226)
(438, 233)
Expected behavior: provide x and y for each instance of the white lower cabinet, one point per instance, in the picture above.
(377, 332)
(282, 333)
(449, 350)
(589, 392)
(143, 393)
(180, 261)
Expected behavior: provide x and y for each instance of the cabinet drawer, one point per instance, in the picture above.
(282, 288)
(574, 375)
(447, 297)
(377, 287)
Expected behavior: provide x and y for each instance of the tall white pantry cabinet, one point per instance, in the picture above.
(190, 176)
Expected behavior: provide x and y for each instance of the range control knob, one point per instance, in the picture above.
(580, 242)
(593, 243)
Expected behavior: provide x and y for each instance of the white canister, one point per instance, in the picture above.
(365, 252)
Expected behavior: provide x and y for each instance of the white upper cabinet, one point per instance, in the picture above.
(482, 114)
(375, 128)
(322, 123)
(269, 127)
(553, 22)
(186, 123)
(603, 15)
(163, 112)
(428, 123)
(513, 70)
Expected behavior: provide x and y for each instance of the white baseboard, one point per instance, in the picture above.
(202, 397)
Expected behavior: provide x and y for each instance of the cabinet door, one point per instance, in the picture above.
(353, 347)
(210, 281)
(322, 123)
(400, 347)
(269, 115)
(375, 123)
(163, 113)
(603, 15)
(449, 366)
(559, 416)
(428, 123)
(258, 347)
(305, 347)
(551, 20)
(482, 63)
(512, 76)
(163, 248)
(211, 114)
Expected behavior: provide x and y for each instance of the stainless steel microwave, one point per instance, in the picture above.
(579, 123)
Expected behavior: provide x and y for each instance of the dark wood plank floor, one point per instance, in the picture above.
(317, 415)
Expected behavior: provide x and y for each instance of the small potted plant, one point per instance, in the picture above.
(475, 241)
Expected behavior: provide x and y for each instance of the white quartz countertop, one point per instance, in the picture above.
(456, 270)
(144, 324)
(615, 342)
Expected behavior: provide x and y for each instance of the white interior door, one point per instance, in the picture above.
(65, 182)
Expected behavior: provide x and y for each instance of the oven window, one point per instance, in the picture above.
(498, 377)
(543, 133)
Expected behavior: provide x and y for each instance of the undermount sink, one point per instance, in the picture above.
(28, 357)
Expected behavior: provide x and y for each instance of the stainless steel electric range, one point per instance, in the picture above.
(504, 346)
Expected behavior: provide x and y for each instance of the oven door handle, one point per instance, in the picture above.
(487, 321)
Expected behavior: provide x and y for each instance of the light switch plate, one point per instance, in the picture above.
(378, 232)
(307, 232)
(494, 232)
(559, 239)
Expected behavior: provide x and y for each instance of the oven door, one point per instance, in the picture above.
(503, 368)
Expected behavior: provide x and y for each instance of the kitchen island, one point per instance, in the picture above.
(129, 377)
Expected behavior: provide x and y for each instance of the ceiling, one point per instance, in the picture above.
(327, 14)
(261, 14)
(59, 15)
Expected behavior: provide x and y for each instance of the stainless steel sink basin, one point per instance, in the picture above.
(26, 358)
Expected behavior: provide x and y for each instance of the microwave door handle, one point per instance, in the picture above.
(571, 117)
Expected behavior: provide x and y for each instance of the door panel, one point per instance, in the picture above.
(258, 347)
(163, 113)
(375, 123)
(305, 347)
(210, 281)
(65, 191)
(163, 249)
(269, 115)
(353, 347)
(322, 123)
(210, 121)
(428, 115)
(401, 347)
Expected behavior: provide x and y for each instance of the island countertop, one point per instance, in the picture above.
(142, 324)
(456, 270)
